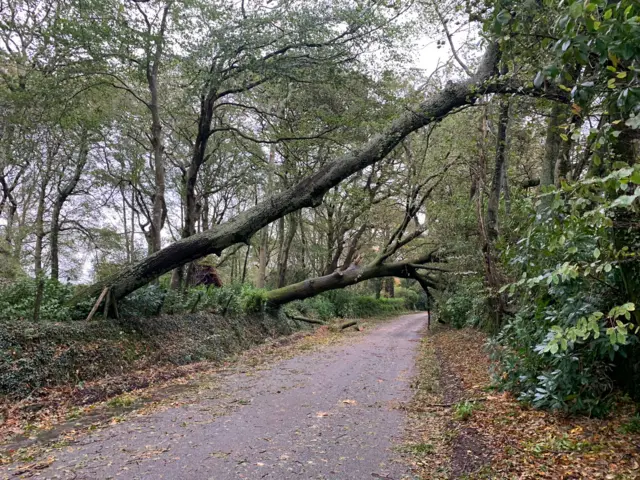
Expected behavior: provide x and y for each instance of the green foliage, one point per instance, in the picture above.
(463, 303)
(146, 302)
(342, 301)
(17, 300)
(421, 448)
(463, 410)
(347, 304)
(369, 306)
(632, 426)
(122, 401)
(320, 306)
(252, 300)
(411, 297)
(577, 294)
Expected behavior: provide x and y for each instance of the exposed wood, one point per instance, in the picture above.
(107, 304)
(97, 304)
(307, 320)
(347, 324)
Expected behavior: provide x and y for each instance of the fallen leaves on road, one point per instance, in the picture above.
(31, 467)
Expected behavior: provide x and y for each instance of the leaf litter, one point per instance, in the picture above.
(501, 438)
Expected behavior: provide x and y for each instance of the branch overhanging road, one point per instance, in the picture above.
(329, 414)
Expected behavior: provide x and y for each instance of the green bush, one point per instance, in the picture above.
(346, 303)
(147, 301)
(369, 306)
(342, 300)
(252, 299)
(576, 326)
(17, 301)
(320, 307)
(463, 303)
(410, 297)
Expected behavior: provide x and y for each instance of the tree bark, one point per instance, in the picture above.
(345, 278)
(159, 209)
(309, 191)
(492, 275)
(63, 194)
(39, 226)
(262, 258)
(283, 257)
(553, 144)
(498, 173)
(390, 287)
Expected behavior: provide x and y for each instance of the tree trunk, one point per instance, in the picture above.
(310, 190)
(244, 266)
(262, 258)
(563, 170)
(159, 210)
(553, 144)
(125, 224)
(345, 278)
(499, 172)
(492, 278)
(390, 287)
(283, 258)
(63, 194)
(39, 227)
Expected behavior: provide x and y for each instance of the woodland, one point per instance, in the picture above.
(165, 157)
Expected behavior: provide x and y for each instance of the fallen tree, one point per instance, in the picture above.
(407, 231)
(308, 192)
(351, 276)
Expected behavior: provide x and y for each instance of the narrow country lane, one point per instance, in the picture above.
(328, 414)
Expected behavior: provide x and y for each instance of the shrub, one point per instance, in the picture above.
(463, 303)
(342, 300)
(576, 324)
(252, 300)
(17, 301)
(369, 306)
(147, 301)
(320, 307)
(411, 297)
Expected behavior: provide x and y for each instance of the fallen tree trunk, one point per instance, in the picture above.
(309, 191)
(351, 276)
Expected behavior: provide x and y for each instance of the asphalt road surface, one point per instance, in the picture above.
(327, 414)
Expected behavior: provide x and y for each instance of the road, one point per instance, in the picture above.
(327, 414)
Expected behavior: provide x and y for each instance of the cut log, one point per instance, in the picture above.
(347, 324)
(308, 320)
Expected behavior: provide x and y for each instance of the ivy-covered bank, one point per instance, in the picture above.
(37, 356)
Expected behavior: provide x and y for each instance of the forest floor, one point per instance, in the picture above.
(391, 402)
